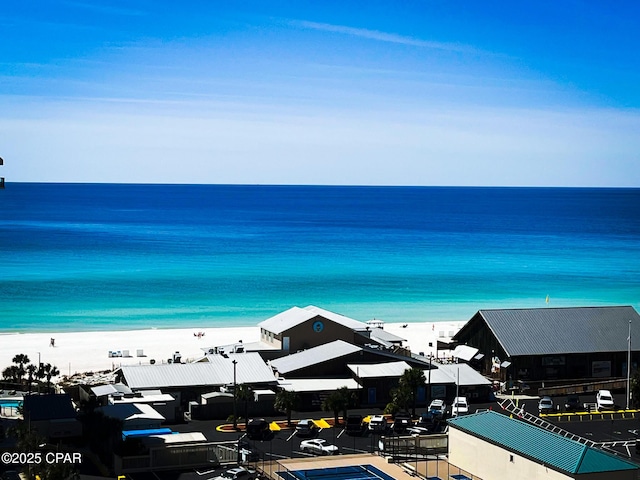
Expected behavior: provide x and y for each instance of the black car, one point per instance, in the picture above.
(572, 403)
(258, 429)
(355, 425)
(401, 422)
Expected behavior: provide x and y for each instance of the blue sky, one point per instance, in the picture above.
(366, 93)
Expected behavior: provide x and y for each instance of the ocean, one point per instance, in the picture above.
(78, 257)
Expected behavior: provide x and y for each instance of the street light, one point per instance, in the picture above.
(235, 418)
(629, 366)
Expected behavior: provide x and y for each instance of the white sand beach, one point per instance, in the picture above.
(77, 352)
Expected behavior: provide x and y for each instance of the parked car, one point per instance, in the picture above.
(401, 422)
(319, 446)
(258, 429)
(545, 405)
(604, 400)
(355, 426)
(426, 420)
(378, 424)
(460, 406)
(572, 403)
(306, 428)
(233, 474)
(437, 408)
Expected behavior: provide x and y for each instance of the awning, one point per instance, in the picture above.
(274, 427)
(505, 364)
(322, 423)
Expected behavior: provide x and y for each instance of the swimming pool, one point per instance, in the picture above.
(4, 403)
(352, 472)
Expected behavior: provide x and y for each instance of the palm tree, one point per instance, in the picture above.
(412, 379)
(31, 371)
(11, 373)
(245, 392)
(21, 360)
(285, 402)
(400, 398)
(50, 371)
(339, 400)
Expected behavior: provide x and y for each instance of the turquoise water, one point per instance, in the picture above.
(89, 257)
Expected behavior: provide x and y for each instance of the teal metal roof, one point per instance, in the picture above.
(541, 445)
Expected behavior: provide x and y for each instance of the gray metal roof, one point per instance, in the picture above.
(217, 371)
(380, 334)
(296, 315)
(549, 331)
(313, 356)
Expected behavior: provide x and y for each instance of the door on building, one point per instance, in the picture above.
(371, 395)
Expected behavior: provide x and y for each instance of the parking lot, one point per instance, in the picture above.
(598, 427)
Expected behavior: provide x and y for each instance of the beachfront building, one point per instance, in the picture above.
(331, 360)
(134, 416)
(372, 373)
(302, 328)
(443, 381)
(521, 451)
(53, 416)
(554, 344)
(187, 382)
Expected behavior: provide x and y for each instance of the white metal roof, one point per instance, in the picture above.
(464, 352)
(317, 384)
(171, 438)
(313, 356)
(295, 316)
(109, 389)
(468, 376)
(156, 398)
(250, 368)
(377, 370)
(210, 395)
(131, 411)
(438, 377)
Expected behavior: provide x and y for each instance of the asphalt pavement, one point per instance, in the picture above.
(286, 444)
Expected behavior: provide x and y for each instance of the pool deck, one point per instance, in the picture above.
(401, 471)
(9, 410)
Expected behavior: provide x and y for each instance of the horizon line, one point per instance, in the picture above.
(8, 184)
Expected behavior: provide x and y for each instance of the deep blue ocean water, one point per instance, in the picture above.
(106, 256)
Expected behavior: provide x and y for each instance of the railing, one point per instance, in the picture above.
(509, 406)
(580, 388)
(173, 456)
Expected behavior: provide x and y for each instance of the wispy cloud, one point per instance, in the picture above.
(382, 36)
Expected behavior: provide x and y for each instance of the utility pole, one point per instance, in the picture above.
(629, 366)
(235, 396)
(429, 384)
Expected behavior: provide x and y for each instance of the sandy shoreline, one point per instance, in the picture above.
(76, 352)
